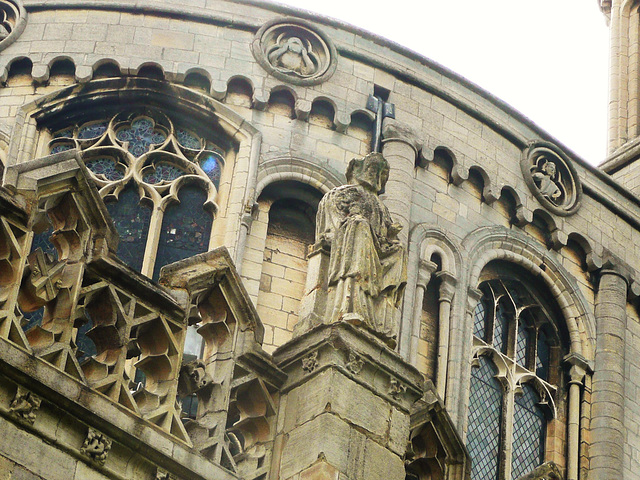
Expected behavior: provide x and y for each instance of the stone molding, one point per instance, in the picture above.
(13, 20)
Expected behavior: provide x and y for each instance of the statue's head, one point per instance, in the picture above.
(372, 172)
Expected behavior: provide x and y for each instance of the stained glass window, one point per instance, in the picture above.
(93, 130)
(210, 164)
(188, 139)
(140, 135)
(132, 223)
(485, 412)
(522, 343)
(163, 172)
(479, 315)
(519, 316)
(528, 433)
(150, 152)
(186, 228)
(106, 167)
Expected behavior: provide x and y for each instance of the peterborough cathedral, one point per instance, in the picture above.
(243, 241)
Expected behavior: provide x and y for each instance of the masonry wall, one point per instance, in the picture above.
(468, 178)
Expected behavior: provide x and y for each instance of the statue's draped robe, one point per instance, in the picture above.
(367, 269)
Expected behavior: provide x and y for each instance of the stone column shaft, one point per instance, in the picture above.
(447, 290)
(607, 424)
(400, 149)
(425, 271)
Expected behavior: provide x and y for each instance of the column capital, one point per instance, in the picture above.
(578, 365)
(425, 270)
(394, 131)
(447, 285)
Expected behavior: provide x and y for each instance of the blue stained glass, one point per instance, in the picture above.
(188, 139)
(61, 147)
(528, 433)
(186, 228)
(162, 172)
(479, 319)
(107, 167)
(66, 133)
(86, 347)
(33, 318)
(210, 164)
(94, 130)
(501, 328)
(43, 241)
(542, 356)
(485, 410)
(140, 135)
(132, 223)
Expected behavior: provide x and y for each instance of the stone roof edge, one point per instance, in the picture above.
(186, 11)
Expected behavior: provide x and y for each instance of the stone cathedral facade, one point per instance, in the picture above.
(242, 241)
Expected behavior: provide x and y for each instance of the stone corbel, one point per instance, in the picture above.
(96, 446)
(25, 405)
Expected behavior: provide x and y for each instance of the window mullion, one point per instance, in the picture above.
(507, 428)
(153, 239)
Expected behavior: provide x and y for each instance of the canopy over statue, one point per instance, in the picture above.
(367, 269)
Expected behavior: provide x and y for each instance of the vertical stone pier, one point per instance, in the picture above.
(345, 408)
(607, 411)
(400, 147)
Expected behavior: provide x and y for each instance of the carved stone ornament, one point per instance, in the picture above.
(96, 446)
(310, 362)
(294, 51)
(25, 405)
(396, 389)
(193, 378)
(546, 471)
(553, 180)
(12, 21)
(355, 363)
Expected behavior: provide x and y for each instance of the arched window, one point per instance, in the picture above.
(159, 177)
(290, 208)
(513, 391)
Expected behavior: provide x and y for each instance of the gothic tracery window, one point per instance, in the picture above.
(512, 396)
(159, 178)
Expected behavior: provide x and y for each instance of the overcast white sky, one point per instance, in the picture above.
(547, 58)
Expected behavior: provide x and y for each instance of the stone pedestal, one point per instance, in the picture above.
(345, 408)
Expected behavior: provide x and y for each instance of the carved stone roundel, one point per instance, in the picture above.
(292, 50)
(12, 21)
(552, 178)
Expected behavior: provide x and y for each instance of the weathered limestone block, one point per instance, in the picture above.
(345, 408)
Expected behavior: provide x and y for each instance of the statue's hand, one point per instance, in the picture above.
(393, 230)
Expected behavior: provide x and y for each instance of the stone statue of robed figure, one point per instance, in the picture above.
(367, 266)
